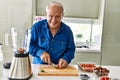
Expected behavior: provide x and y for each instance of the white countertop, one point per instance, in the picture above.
(114, 73)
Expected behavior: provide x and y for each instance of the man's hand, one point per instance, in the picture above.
(45, 57)
(62, 63)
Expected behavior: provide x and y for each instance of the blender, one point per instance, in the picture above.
(20, 66)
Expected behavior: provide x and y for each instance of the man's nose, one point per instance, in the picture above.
(54, 19)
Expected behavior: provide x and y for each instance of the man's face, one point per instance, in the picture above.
(54, 15)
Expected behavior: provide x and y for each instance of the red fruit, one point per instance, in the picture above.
(58, 66)
(104, 78)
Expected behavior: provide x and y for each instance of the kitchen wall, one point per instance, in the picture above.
(111, 34)
(13, 13)
(18, 14)
(111, 38)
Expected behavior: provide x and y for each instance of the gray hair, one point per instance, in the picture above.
(55, 3)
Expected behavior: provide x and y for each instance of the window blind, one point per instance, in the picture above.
(73, 8)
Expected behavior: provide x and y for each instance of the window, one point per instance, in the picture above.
(87, 34)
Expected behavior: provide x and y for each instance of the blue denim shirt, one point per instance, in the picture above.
(60, 46)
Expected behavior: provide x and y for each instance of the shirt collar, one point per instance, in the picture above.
(61, 28)
(45, 24)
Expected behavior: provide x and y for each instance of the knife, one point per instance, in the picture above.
(51, 63)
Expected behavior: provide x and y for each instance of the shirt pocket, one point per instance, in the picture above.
(61, 45)
(43, 42)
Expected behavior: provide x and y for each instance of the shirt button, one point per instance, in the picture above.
(62, 42)
(52, 39)
(51, 48)
(43, 39)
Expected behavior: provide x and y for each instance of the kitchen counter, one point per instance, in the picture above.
(114, 73)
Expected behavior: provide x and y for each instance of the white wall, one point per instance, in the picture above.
(111, 33)
(14, 13)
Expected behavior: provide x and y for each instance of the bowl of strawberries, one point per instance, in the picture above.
(86, 66)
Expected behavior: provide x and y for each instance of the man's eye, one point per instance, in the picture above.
(50, 16)
(57, 16)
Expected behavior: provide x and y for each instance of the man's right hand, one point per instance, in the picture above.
(45, 57)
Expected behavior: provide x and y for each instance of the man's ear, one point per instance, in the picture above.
(45, 13)
(62, 15)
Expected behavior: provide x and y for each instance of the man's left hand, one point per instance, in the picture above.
(62, 63)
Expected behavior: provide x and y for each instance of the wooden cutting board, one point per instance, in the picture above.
(50, 70)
